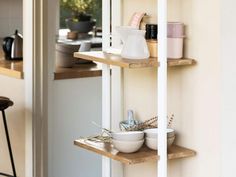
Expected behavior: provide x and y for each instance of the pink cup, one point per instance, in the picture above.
(175, 30)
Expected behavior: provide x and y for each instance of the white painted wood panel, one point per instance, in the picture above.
(13, 89)
(76, 103)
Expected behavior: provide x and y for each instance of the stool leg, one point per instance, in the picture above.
(9, 143)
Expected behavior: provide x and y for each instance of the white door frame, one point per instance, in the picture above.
(38, 72)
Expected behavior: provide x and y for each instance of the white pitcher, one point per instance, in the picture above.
(135, 46)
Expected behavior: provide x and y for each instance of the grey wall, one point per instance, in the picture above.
(76, 103)
(11, 17)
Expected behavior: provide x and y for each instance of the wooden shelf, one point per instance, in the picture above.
(117, 60)
(143, 155)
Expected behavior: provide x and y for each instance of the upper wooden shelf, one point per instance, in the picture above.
(143, 155)
(117, 60)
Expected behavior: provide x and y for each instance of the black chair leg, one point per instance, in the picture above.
(9, 145)
(7, 175)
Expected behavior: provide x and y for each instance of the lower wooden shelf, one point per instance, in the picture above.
(143, 155)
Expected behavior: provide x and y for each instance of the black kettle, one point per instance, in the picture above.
(13, 47)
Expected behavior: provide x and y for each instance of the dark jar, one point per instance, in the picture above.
(151, 31)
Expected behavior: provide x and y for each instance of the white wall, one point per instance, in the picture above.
(13, 89)
(11, 17)
(76, 103)
(193, 92)
(228, 87)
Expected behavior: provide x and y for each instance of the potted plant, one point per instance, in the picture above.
(80, 10)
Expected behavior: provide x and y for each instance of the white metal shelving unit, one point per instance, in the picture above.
(144, 154)
(161, 85)
(106, 81)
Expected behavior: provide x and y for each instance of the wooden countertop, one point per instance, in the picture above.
(78, 71)
(11, 68)
(15, 69)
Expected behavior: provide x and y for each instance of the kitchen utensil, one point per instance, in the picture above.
(127, 146)
(7, 46)
(13, 47)
(126, 124)
(128, 136)
(175, 47)
(135, 47)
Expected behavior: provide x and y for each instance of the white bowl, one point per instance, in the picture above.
(128, 136)
(127, 146)
(152, 142)
(152, 133)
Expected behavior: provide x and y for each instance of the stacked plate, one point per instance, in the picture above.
(128, 142)
(151, 137)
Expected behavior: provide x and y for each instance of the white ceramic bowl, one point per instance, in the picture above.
(128, 136)
(152, 142)
(152, 133)
(127, 146)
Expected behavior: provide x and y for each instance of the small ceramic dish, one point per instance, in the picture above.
(128, 136)
(152, 133)
(127, 146)
(152, 142)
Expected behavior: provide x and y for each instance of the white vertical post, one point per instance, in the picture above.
(162, 88)
(117, 85)
(106, 90)
(106, 114)
(106, 23)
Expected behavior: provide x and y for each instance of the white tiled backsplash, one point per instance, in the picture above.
(11, 17)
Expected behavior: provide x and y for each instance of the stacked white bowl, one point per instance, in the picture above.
(151, 137)
(128, 142)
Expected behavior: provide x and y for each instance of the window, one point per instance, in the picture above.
(75, 11)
